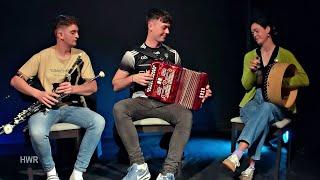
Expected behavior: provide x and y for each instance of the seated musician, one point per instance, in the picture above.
(257, 113)
(133, 71)
(51, 66)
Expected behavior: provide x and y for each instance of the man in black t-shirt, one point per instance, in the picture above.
(139, 59)
(133, 72)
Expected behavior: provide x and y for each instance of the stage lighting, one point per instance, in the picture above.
(285, 136)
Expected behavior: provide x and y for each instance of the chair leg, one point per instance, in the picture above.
(30, 173)
(78, 141)
(289, 151)
(234, 134)
(179, 170)
(278, 157)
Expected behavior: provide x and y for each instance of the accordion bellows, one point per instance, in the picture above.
(175, 84)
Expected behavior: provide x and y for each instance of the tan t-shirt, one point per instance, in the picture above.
(50, 69)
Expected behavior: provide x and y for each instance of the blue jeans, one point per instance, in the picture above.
(39, 128)
(257, 115)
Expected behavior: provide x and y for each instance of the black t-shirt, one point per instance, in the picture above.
(140, 58)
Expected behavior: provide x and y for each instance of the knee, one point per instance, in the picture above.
(99, 123)
(188, 119)
(268, 108)
(119, 107)
(37, 134)
(185, 118)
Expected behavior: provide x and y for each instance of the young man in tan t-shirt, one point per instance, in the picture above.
(51, 66)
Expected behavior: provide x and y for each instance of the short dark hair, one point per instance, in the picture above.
(64, 20)
(160, 14)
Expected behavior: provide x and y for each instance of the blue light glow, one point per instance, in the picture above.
(285, 137)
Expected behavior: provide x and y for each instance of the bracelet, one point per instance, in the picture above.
(131, 78)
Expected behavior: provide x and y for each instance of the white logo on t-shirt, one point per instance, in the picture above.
(144, 57)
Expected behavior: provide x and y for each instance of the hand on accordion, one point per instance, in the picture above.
(142, 78)
(208, 93)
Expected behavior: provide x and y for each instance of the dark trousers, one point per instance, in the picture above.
(128, 110)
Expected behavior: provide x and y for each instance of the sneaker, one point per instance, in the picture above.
(53, 177)
(76, 176)
(168, 176)
(138, 172)
(247, 174)
(232, 162)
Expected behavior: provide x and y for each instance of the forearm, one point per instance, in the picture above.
(299, 80)
(121, 83)
(85, 89)
(21, 85)
(248, 79)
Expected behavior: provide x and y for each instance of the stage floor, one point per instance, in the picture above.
(202, 160)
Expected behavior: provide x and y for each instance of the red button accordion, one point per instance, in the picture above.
(174, 84)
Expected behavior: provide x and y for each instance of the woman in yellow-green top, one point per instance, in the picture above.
(255, 111)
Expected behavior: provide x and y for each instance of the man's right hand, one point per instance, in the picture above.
(47, 98)
(142, 78)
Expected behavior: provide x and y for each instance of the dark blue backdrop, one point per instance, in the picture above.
(211, 36)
